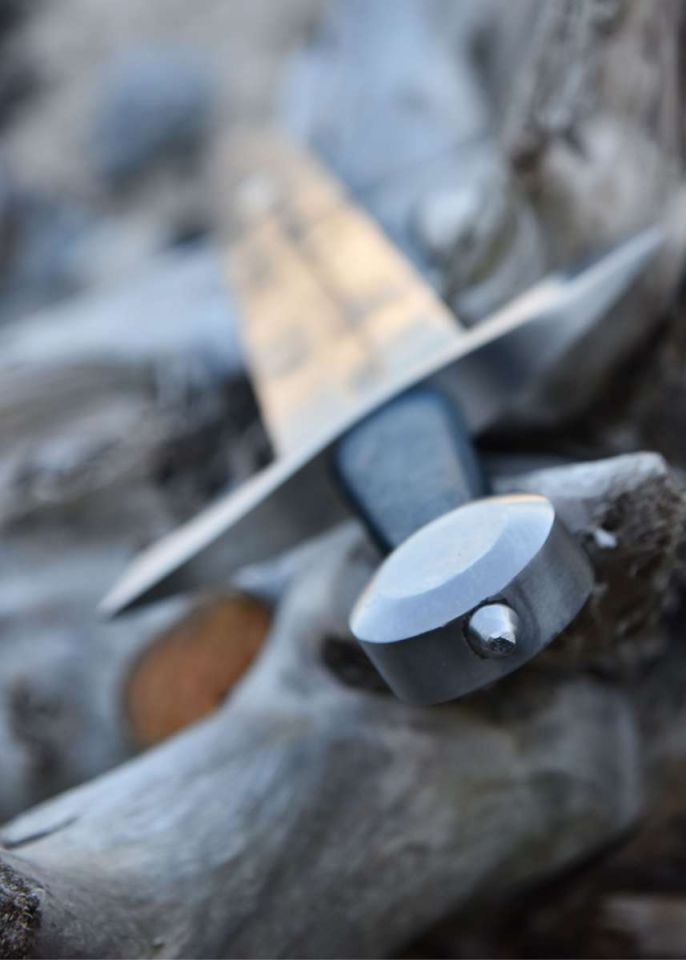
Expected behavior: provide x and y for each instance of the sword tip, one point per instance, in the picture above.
(124, 596)
(153, 575)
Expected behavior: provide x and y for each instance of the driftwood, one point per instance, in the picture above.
(592, 136)
(616, 633)
(310, 818)
(584, 96)
(311, 814)
(630, 901)
(115, 416)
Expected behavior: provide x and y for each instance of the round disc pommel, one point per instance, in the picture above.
(471, 597)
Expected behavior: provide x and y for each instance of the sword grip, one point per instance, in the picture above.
(407, 463)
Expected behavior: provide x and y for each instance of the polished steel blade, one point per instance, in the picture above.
(331, 312)
(485, 368)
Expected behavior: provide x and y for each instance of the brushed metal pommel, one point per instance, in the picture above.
(418, 619)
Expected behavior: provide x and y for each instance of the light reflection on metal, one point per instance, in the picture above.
(276, 509)
(501, 573)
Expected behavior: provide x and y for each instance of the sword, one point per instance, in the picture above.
(337, 324)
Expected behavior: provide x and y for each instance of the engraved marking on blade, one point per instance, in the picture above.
(331, 313)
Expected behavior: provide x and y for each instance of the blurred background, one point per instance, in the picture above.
(122, 375)
(493, 142)
(111, 113)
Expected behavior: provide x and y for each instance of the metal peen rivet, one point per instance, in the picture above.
(493, 631)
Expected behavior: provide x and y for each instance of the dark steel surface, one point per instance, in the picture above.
(406, 464)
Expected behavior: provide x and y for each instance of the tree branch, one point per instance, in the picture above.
(310, 818)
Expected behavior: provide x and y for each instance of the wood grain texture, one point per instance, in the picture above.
(115, 413)
(307, 817)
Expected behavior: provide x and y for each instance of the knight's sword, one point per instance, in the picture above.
(336, 325)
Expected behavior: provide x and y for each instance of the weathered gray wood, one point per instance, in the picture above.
(176, 316)
(630, 901)
(648, 925)
(114, 411)
(616, 631)
(593, 133)
(310, 818)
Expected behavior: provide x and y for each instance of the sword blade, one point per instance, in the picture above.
(330, 311)
(293, 499)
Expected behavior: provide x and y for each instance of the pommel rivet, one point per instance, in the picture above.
(471, 596)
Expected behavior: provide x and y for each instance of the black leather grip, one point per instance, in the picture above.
(407, 463)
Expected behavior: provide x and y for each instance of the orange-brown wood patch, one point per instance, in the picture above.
(189, 669)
